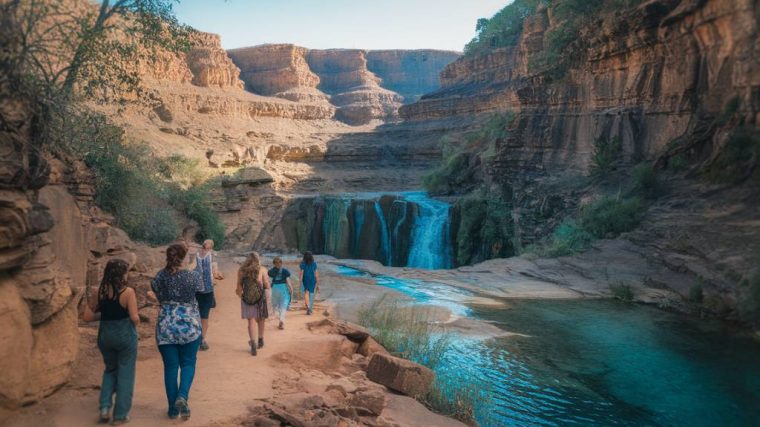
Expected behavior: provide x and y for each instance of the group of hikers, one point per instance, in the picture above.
(186, 297)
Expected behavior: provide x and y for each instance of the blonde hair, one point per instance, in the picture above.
(276, 260)
(251, 266)
(208, 241)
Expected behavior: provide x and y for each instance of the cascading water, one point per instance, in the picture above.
(385, 240)
(431, 242)
(400, 229)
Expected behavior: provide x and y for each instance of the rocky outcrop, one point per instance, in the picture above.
(345, 77)
(401, 375)
(626, 82)
(210, 64)
(663, 80)
(410, 73)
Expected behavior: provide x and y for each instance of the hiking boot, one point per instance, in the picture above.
(261, 342)
(105, 416)
(253, 348)
(182, 407)
(204, 346)
(281, 326)
(120, 421)
(308, 312)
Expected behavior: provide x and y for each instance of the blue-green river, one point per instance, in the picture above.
(598, 363)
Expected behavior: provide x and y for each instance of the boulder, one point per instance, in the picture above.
(373, 400)
(349, 330)
(370, 347)
(15, 344)
(404, 376)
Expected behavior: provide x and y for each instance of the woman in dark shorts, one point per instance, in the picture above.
(204, 265)
(117, 340)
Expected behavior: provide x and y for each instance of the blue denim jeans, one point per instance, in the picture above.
(178, 358)
(117, 341)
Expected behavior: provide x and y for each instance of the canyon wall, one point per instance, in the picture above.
(672, 82)
(647, 75)
(362, 85)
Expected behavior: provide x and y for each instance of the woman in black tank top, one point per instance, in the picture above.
(116, 308)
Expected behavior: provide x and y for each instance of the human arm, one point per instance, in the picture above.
(316, 277)
(90, 314)
(130, 298)
(264, 278)
(239, 287)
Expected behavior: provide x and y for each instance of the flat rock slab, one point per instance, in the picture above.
(404, 376)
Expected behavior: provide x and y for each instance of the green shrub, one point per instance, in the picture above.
(678, 163)
(607, 153)
(194, 204)
(611, 215)
(484, 229)
(622, 291)
(644, 181)
(503, 29)
(145, 194)
(453, 172)
(568, 238)
(405, 331)
(452, 399)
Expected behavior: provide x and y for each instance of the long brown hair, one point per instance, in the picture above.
(308, 257)
(251, 266)
(114, 279)
(174, 256)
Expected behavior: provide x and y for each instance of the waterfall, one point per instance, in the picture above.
(358, 224)
(431, 242)
(385, 241)
(396, 229)
(335, 226)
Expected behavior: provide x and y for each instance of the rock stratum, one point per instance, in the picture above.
(667, 81)
(362, 85)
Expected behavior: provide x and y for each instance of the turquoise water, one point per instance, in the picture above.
(598, 362)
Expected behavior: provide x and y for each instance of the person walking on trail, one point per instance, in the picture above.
(309, 280)
(204, 265)
(116, 307)
(178, 328)
(281, 289)
(252, 284)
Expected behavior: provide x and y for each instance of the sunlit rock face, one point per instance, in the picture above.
(362, 85)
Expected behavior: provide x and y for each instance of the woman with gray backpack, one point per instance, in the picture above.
(251, 286)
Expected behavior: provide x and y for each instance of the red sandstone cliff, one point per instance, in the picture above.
(362, 85)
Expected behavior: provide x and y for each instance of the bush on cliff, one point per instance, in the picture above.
(610, 216)
(138, 188)
(484, 229)
(503, 29)
(568, 238)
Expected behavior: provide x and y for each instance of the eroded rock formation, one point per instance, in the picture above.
(345, 77)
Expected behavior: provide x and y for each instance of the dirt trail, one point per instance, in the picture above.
(227, 378)
(296, 366)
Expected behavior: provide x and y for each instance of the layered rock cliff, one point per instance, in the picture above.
(671, 82)
(362, 85)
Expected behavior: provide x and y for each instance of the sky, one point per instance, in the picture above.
(322, 24)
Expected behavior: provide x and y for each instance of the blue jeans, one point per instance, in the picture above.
(178, 358)
(117, 341)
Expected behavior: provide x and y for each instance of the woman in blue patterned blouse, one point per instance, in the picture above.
(178, 329)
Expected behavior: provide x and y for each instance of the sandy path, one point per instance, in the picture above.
(227, 378)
